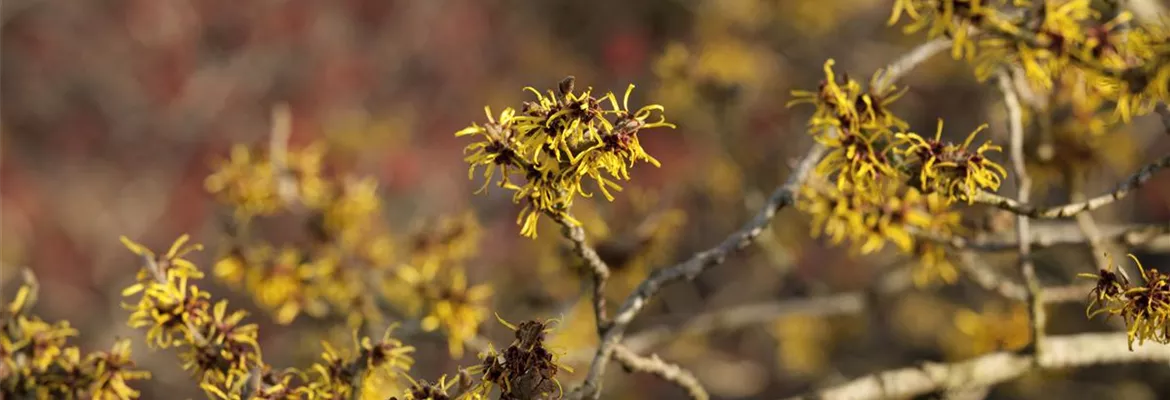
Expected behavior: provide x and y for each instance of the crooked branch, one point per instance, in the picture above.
(597, 268)
(1023, 189)
(667, 371)
(1132, 183)
(1066, 351)
(1056, 235)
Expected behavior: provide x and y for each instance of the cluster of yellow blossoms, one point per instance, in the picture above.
(1077, 59)
(557, 141)
(434, 288)
(328, 273)
(890, 183)
(223, 353)
(36, 360)
(215, 344)
(880, 183)
(1122, 61)
(1145, 308)
(348, 267)
(1088, 68)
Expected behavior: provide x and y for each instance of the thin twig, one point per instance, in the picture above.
(1056, 235)
(845, 303)
(739, 316)
(286, 183)
(1023, 187)
(907, 62)
(1068, 210)
(1067, 293)
(988, 279)
(598, 269)
(735, 317)
(667, 371)
(1064, 351)
(1085, 220)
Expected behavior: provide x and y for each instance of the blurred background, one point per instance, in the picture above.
(114, 113)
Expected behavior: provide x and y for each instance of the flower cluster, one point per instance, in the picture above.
(219, 349)
(348, 267)
(526, 369)
(216, 346)
(1079, 126)
(434, 286)
(1126, 63)
(868, 144)
(325, 277)
(890, 183)
(374, 370)
(1145, 308)
(250, 182)
(950, 169)
(872, 217)
(997, 327)
(36, 360)
(556, 142)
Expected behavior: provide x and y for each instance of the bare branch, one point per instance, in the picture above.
(1058, 352)
(846, 303)
(988, 279)
(736, 317)
(908, 61)
(1068, 210)
(1057, 235)
(1085, 221)
(286, 182)
(597, 268)
(1023, 187)
(667, 371)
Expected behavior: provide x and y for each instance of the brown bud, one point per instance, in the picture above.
(566, 85)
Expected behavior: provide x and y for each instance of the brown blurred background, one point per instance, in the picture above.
(114, 112)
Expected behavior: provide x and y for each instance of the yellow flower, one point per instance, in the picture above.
(871, 217)
(215, 346)
(444, 302)
(167, 308)
(853, 159)
(950, 18)
(250, 182)
(952, 170)
(36, 360)
(348, 216)
(1145, 309)
(246, 183)
(378, 367)
(834, 101)
(557, 141)
(172, 261)
(934, 263)
(500, 148)
(994, 329)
